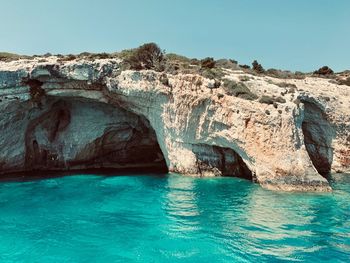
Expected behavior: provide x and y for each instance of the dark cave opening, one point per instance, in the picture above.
(318, 136)
(221, 161)
(82, 134)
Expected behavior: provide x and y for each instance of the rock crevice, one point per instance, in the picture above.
(318, 137)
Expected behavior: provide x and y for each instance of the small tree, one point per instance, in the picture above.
(325, 70)
(208, 63)
(257, 67)
(147, 56)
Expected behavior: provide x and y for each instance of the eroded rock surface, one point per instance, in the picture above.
(93, 115)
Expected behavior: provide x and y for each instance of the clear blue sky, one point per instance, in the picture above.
(287, 34)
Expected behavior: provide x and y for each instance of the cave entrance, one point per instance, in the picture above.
(318, 136)
(221, 161)
(82, 134)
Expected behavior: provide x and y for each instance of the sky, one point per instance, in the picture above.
(286, 34)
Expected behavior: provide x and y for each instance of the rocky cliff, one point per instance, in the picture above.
(81, 114)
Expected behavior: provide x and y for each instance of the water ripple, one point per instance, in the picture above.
(170, 218)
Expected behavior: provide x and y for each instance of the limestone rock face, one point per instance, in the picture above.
(90, 114)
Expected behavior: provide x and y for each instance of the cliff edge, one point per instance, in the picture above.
(89, 114)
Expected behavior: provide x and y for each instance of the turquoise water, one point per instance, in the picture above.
(170, 218)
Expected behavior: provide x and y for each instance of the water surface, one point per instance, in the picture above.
(170, 218)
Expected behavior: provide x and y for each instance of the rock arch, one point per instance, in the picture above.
(75, 133)
(220, 161)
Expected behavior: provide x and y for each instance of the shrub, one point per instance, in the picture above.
(177, 58)
(286, 85)
(227, 63)
(93, 56)
(267, 100)
(147, 56)
(280, 100)
(195, 61)
(100, 56)
(244, 78)
(214, 73)
(299, 74)
(325, 70)
(84, 54)
(257, 67)
(238, 89)
(176, 63)
(69, 57)
(244, 66)
(126, 53)
(5, 56)
(172, 68)
(208, 63)
(284, 74)
(271, 100)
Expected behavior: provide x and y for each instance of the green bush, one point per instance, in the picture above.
(227, 63)
(244, 78)
(69, 57)
(280, 100)
(325, 71)
(257, 67)
(180, 64)
(195, 61)
(284, 74)
(238, 89)
(271, 100)
(6, 57)
(286, 85)
(244, 66)
(147, 56)
(208, 63)
(177, 58)
(214, 73)
(100, 56)
(267, 100)
(126, 53)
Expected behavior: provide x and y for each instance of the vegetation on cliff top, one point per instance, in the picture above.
(151, 56)
(238, 89)
(5, 56)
